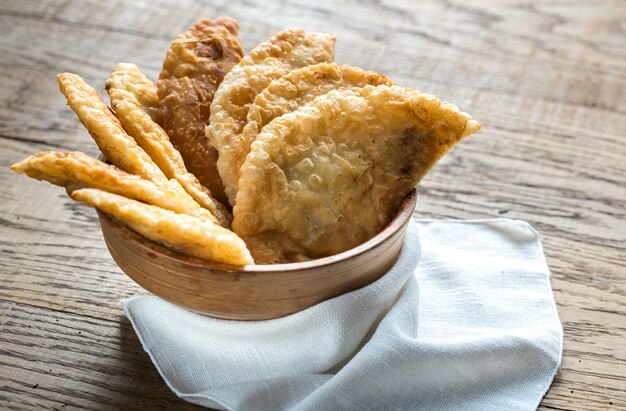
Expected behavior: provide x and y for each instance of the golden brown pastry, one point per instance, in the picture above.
(121, 86)
(132, 82)
(107, 131)
(181, 232)
(330, 175)
(75, 170)
(194, 67)
(301, 86)
(288, 50)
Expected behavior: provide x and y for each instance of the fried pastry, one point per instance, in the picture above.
(301, 86)
(107, 131)
(143, 91)
(330, 175)
(180, 232)
(152, 138)
(195, 64)
(288, 50)
(76, 170)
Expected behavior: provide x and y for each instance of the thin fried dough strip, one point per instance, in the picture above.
(187, 234)
(117, 146)
(76, 170)
(153, 139)
(143, 90)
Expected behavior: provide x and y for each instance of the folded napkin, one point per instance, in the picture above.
(473, 326)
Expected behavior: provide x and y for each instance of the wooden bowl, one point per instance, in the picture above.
(253, 292)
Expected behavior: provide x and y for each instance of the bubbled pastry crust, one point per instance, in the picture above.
(330, 175)
(288, 50)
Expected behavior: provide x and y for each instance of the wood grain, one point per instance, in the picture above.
(546, 79)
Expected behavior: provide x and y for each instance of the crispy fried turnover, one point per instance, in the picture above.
(194, 66)
(117, 146)
(330, 175)
(75, 170)
(288, 50)
(181, 232)
(301, 86)
(153, 139)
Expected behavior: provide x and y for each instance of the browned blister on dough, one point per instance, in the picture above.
(194, 66)
(330, 175)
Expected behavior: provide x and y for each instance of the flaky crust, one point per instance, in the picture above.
(121, 86)
(107, 131)
(181, 232)
(301, 86)
(293, 48)
(76, 170)
(194, 66)
(328, 176)
(288, 50)
(143, 90)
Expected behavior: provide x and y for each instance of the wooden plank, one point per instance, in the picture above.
(52, 359)
(547, 80)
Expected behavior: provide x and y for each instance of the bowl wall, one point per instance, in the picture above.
(253, 292)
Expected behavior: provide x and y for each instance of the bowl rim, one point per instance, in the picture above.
(406, 208)
(405, 212)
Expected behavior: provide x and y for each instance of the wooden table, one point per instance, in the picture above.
(547, 80)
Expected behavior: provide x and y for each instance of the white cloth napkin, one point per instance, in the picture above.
(473, 326)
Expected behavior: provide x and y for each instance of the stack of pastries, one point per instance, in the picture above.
(275, 156)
